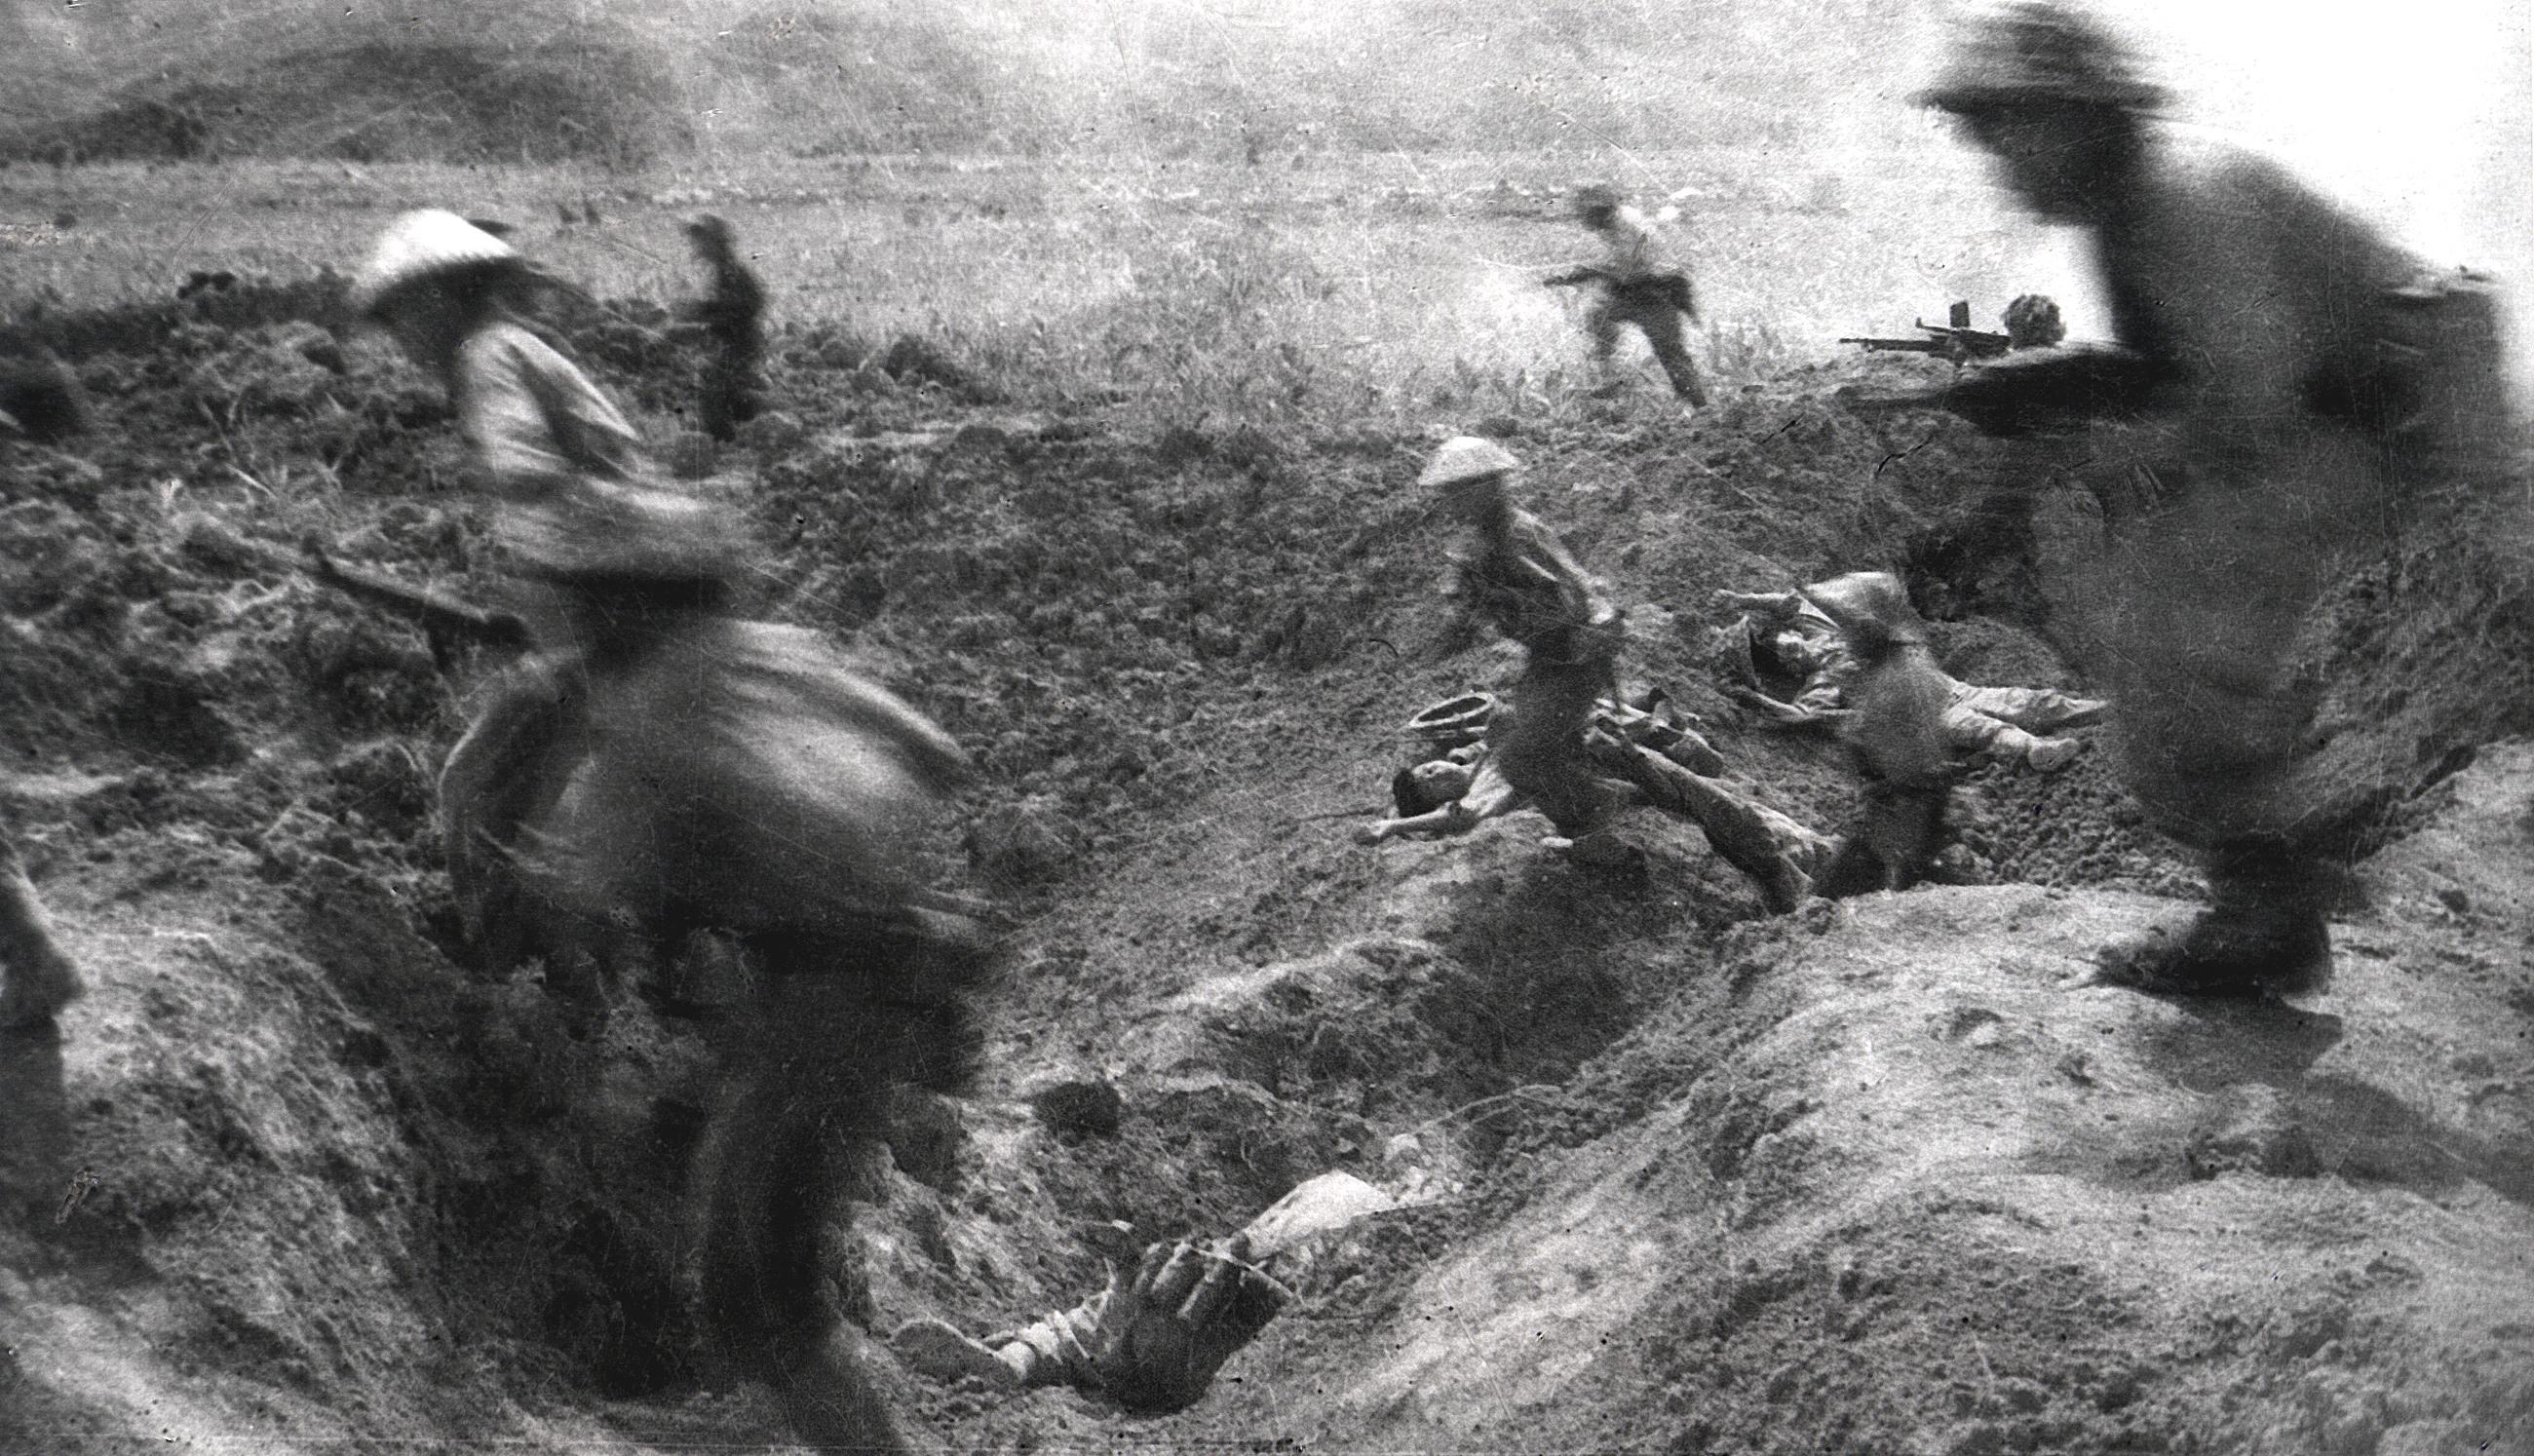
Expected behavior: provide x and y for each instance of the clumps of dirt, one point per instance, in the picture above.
(1144, 633)
(2036, 1354)
(589, 95)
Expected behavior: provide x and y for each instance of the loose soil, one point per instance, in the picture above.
(1678, 1178)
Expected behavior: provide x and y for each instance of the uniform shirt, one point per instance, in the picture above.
(1635, 251)
(2266, 302)
(1522, 581)
(580, 495)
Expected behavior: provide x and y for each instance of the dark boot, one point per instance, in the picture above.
(2263, 934)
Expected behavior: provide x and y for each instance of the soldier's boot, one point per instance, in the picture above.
(2263, 935)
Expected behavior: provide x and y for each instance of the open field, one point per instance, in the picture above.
(1373, 280)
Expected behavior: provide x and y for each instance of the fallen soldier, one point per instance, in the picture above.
(1666, 767)
(1154, 1341)
(1458, 789)
(1785, 636)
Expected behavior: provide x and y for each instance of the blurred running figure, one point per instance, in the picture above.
(659, 764)
(2298, 381)
(1637, 282)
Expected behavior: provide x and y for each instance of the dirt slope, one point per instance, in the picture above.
(1679, 1178)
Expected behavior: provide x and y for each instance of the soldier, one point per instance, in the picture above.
(733, 316)
(1895, 734)
(1636, 282)
(2297, 377)
(659, 762)
(1521, 579)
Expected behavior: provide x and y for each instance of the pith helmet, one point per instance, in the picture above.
(2034, 50)
(422, 243)
(1467, 457)
(1871, 600)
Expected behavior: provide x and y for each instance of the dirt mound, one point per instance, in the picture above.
(588, 97)
(367, 1193)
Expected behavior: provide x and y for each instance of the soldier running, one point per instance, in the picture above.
(658, 762)
(1637, 282)
(1521, 580)
(2299, 379)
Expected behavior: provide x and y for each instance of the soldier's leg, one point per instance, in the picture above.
(2209, 731)
(1972, 732)
(1536, 745)
(1778, 853)
(1663, 334)
(1601, 320)
(1898, 836)
(764, 1190)
(36, 976)
(2034, 709)
(508, 772)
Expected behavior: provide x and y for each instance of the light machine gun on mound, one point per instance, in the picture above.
(1956, 339)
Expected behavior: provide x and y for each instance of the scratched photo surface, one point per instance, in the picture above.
(1266, 724)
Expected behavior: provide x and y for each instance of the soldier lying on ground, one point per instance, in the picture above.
(1154, 1340)
(658, 762)
(37, 978)
(1636, 284)
(1784, 636)
(1456, 792)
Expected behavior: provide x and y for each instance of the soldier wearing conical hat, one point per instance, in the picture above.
(659, 762)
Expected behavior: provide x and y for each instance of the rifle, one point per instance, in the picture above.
(438, 615)
(1957, 344)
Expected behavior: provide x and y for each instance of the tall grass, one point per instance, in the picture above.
(1401, 289)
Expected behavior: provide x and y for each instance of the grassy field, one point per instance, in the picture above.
(1370, 282)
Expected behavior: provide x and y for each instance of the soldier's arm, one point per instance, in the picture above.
(2035, 390)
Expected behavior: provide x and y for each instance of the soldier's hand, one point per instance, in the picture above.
(1189, 1309)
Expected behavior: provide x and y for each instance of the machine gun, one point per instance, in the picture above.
(1956, 339)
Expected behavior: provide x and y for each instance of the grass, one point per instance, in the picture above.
(1371, 287)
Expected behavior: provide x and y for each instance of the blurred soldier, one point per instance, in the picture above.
(733, 316)
(36, 976)
(1634, 283)
(2297, 377)
(1521, 579)
(658, 762)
